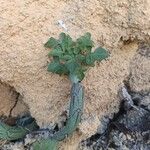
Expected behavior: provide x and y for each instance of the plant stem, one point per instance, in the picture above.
(75, 111)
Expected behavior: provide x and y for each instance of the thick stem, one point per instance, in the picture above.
(75, 111)
(73, 78)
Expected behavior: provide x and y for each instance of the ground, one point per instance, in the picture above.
(25, 26)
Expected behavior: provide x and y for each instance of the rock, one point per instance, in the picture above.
(26, 25)
(9, 103)
(140, 72)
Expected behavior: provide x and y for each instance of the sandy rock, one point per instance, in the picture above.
(140, 70)
(26, 25)
(8, 101)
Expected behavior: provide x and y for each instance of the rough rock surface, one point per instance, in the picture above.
(26, 25)
(129, 129)
(7, 99)
(10, 102)
(140, 70)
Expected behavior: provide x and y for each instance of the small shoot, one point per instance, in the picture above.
(73, 58)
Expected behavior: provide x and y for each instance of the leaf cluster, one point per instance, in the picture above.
(73, 58)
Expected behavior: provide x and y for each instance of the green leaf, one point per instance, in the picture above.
(66, 57)
(80, 58)
(51, 43)
(90, 59)
(56, 52)
(45, 144)
(56, 58)
(73, 57)
(76, 50)
(85, 43)
(65, 42)
(56, 67)
(100, 54)
(72, 65)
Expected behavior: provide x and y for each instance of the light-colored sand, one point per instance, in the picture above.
(26, 25)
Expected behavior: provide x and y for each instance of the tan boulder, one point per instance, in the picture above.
(26, 25)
